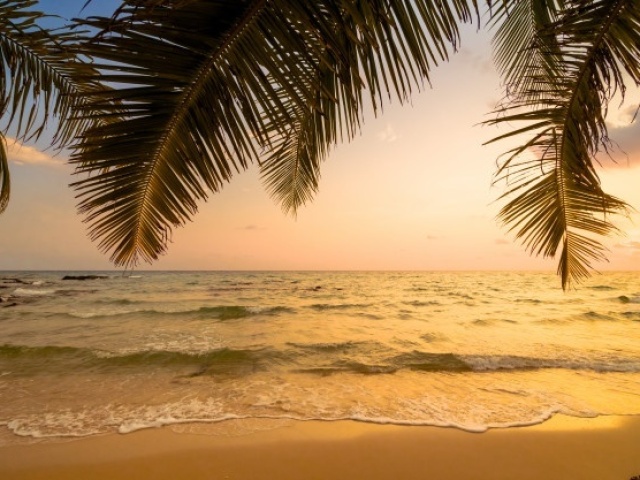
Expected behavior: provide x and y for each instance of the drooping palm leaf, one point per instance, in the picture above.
(406, 41)
(40, 78)
(207, 85)
(524, 53)
(558, 200)
(5, 179)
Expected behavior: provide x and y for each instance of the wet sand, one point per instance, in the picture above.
(605, 448)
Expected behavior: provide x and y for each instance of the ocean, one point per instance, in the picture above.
(193, 350)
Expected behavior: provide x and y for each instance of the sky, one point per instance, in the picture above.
(413, 191)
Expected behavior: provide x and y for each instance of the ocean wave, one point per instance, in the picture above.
(626, 299)
(415, 361)
(422, 303)
(118, 301)
(31, 292)
(492, 363)
(44, 359)
(350, 367)
(338, 306)
(631, 315)
(591, 315)
(125, 419)
(430, 362)
(321, 358)
(221, 312)
(328, 347)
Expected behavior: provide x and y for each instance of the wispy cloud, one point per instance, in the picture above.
(250, 227)
(21, 154)
(501, 241)
(388, 134)
(623, 117)
(629, 245)
(624, 131)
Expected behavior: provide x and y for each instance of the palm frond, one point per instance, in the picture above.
(393, 51)
(41, 77)
(207, 85)
(5, 179)
(558, 200)
(524, 52)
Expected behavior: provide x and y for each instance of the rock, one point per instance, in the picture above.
(84, 277)
(14, 280)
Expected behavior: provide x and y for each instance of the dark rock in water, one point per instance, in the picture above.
(317, 288)
(13, 304)
(14, 280)
(84, 277)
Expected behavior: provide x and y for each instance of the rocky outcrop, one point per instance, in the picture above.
(84, 277)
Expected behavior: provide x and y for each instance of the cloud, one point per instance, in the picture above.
(623, 117)
(21, 154)
(502, 241)
(432, 237)
(626, 142)
(629, 245)
(388, 134)
(477, 61)
(250, 227)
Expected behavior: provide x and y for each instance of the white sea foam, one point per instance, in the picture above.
(30, 292)
(485, 363)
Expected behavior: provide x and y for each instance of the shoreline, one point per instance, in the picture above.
(563, 447)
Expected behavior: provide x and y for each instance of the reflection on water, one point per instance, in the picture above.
(470, 350)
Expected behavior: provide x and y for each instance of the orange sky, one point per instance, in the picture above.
(412, 192)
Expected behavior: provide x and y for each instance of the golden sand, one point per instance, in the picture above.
(606, 448)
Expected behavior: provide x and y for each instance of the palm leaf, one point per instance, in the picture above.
(41, 78)
(559, 202)
(525, 54)
(5, 183)
(208, 87)
(413, 38)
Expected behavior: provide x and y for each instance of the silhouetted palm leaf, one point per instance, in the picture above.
(211, 86)
(5, 179)
(40, 78)
(558, 198)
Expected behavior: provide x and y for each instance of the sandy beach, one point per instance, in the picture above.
(604, 448)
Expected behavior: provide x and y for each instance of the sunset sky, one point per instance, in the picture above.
(412, 192)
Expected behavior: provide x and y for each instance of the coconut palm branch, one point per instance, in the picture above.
(210, 86)
(5, 179)
(291, 169)
(523, 53)
(555, 196)
(40, 78)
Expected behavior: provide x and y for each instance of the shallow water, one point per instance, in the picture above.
(469, 350)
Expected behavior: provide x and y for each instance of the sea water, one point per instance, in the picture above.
(473, 351)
